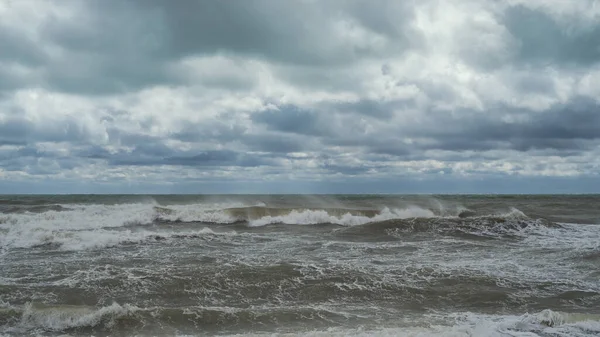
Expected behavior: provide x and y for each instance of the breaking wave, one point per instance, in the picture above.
(84, 226)
(31, 208)
(337, 216)
(514, 223)
(260, 215)
(339, 265)
(97, 226)
(60, 318)
(544, 323)
(38, 318)
(97, 239)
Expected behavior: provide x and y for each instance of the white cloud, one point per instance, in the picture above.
(297, 91)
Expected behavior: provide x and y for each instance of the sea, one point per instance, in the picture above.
(300, 265)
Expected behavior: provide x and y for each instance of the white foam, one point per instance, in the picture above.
(30, 229)
(100, 238)
(312, 217)
(59, 318)
(569, 236)
(105, 239)
(89, 226)
(211, 213)
(544, 323)
(514, 213)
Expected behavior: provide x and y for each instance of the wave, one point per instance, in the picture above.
(544, 323)
(86, 217)
(40, 318)
(261, 215)
(7, 209)
(91, 216)
(60, 318)
(258, 212)
(339, 216)
(514, 223)
(248, 281)
(36, 318)
(90, 225)
(97, 239)
(96, 226)
(256, 216)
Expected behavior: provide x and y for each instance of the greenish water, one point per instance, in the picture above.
(415, 265)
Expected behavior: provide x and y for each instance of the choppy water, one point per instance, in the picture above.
(300, 265)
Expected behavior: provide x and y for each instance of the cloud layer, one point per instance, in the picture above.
(295, 96)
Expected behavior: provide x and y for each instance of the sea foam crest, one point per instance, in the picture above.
(90, 226)
(312, 217)
(96, 239)
(30, 229)
(210, 213)
(105, 239)
(545, 323)
(60, 318)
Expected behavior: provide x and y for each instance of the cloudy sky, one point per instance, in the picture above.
(427, 96)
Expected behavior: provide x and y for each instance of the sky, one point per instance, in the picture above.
(299, 96)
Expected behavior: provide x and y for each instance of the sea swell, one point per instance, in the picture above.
(81, 227)
(541, 324)
(232, 281)
(119, 320)
(256, 216)
(101, 238)
(295, 265)
(495, 226)
(39, 318)
(116, 319)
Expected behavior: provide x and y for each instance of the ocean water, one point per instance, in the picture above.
(287, 265)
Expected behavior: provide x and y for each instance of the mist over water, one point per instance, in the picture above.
(341, 265)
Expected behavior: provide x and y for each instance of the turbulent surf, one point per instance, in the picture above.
(347, 265)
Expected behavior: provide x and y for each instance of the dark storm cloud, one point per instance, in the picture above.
(19, 49)
(276, 30)
(290, 119)
(20, 130)
(159, 155)
(218, 158)
(222, 130)
(34, 161)
(114, 46)
(335, 124)
(148, 150)
(339, 89)
(10, 81)
(347, 170)
(16, 50)
(106, 50)
(129, 139)
(91, 152)
(562, 127)
(542, 38)
(392, 147)
(541, 83)
(277, 143)
(370, 108)
(102, 51)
